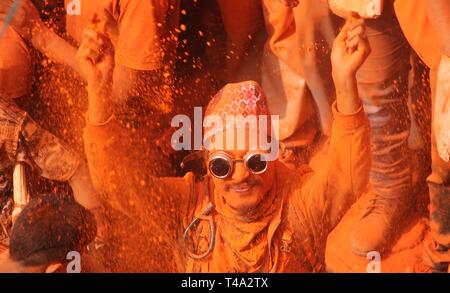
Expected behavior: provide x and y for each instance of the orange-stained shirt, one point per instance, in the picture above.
(311, 203)
(147, 29)
(16, 65)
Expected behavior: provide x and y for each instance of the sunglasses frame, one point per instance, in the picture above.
(227, 157)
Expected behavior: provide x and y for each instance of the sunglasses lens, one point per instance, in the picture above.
(220, 167)
(257, 164)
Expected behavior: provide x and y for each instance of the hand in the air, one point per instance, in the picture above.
(350, 49)
(96, 56)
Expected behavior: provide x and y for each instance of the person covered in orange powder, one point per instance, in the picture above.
(145, 43)
(145, 54)
(49, 155)
(142, 85)
(248, 214)
(383, 88)
(425, 25)
(429, 36)
(295, 72)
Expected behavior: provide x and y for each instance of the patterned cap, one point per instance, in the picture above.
(244, 98)
(239, 106)
(237, 99)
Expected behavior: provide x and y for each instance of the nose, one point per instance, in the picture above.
(240, 173)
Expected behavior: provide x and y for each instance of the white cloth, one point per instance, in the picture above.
(368, 9)
(442, 109)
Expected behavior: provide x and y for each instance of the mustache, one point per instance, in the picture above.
(252, 182)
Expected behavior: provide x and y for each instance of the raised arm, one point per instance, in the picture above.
(331, 191)
(55, 48)
(121, 163)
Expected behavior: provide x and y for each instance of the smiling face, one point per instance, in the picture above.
(242, 189)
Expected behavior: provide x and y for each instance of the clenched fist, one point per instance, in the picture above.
(96, 57)
(350, 49)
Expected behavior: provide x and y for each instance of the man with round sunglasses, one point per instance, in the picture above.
(221, 164)
(249, 214)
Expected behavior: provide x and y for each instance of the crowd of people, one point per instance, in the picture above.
(89, 89)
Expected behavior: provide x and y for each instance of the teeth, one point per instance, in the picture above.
(242, 188)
